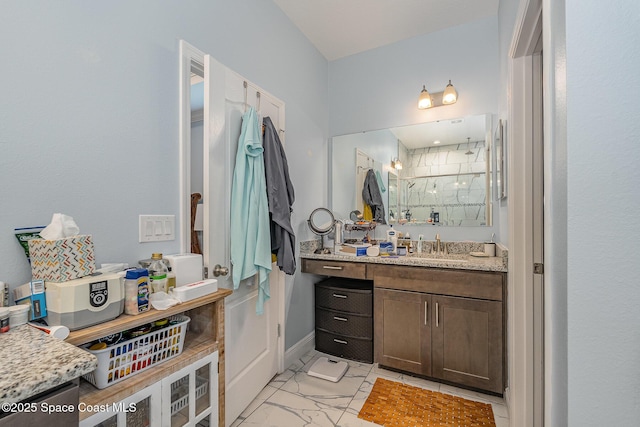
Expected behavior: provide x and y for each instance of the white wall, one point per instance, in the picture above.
(603, 292)
(89, 118)
(379, 89)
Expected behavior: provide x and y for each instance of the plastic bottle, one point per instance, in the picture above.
(136, 291)
(392, 237)
(158, 273)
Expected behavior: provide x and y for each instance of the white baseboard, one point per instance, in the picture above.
(299, 349)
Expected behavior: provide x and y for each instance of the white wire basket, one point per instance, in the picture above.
(123, 360)
(180, 393)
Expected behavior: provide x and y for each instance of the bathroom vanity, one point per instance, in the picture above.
(439, 317)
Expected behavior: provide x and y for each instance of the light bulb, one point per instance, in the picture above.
(424, 100)
(450, 96)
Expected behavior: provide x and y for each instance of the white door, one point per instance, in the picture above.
(254, 350)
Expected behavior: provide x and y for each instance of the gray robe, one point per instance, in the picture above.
(281, 197)
(371, 196)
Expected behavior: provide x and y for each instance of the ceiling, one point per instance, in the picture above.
(340, 28)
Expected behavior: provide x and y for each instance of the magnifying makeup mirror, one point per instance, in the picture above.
(321, 222)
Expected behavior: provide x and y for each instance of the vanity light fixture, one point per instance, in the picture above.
(424, 100)
(396, 164)
(447, 97)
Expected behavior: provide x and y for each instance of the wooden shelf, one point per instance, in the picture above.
(205, 335)
(126, 321)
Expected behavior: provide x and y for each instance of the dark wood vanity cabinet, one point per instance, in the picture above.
(466, 338)
(445, 324)
(403, 330)
(428, 322)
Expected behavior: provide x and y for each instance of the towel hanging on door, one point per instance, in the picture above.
(372, 197)
(250, 240)
(281, 196)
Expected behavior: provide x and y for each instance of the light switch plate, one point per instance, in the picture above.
(156, 228)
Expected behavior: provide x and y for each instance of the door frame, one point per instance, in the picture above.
(520, 393)
(549, 16)
(188, 54)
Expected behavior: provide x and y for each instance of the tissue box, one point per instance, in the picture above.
(62, 259)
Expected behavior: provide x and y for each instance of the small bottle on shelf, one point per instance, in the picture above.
(136, 291)
(158, 273)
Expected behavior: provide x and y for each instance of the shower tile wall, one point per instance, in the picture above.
(458, 198)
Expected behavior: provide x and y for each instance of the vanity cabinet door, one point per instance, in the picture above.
(402, 330)
(467, 342)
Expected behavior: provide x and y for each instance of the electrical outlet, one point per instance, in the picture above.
(156, 228)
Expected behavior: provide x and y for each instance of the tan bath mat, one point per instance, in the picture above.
(400, 405)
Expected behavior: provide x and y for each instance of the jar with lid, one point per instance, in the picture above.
(4, 319)
(158, 273)
(136, 291)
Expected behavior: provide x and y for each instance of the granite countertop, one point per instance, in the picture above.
(33, 362)
(460, 259)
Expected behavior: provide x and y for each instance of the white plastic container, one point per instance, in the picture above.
(195, 290)
(18, 315)
(136, 291)
(4, 319)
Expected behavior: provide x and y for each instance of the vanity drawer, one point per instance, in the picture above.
(344, 323)
(348, 296)
(342, 346)
(351, 270)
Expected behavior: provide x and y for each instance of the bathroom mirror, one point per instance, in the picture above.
(441, 174)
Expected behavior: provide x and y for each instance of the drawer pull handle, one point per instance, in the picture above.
(437, 320)
(339, 296)
(342, 319)
(332, 267)
(340, 341)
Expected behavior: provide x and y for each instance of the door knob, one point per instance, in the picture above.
(219, 270)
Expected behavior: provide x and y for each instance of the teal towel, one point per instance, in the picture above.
(250, 232)
(380, 182)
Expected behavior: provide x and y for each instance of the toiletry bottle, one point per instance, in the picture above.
(136, 291)
(393, 238)
(158, 274)
(420, 238)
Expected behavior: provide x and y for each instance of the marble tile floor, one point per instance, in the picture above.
(294, 399)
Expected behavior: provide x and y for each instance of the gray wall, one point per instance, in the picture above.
(89, 117)
(603, 292)
(379, 89)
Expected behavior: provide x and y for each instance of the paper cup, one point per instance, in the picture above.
(490, 249)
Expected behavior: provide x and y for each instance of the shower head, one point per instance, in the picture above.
(469, 152)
